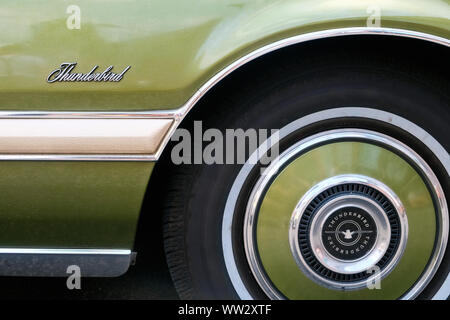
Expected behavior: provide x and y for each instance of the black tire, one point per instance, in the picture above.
(288, 90)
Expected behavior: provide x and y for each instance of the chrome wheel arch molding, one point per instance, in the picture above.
(356, 112)
(163, 123)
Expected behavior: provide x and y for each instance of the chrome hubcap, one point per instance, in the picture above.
(344, 227)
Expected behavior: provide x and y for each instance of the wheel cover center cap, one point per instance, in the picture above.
(349, 233)
(343, 228)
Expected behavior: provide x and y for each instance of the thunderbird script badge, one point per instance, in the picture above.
(65, 74)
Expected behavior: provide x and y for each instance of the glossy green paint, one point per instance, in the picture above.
(71, 204)
(322, 163)
(173, 46)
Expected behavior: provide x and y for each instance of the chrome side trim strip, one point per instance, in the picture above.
(157, 114)
(54, 262)
(161, 137)
(85, 136)
(65, 251)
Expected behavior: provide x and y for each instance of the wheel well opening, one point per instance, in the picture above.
(425, 59)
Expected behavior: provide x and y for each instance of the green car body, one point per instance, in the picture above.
(174, 48)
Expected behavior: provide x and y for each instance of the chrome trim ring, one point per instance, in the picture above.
(372, 257)
(356, 112)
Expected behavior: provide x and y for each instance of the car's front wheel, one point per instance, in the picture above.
(353, 207)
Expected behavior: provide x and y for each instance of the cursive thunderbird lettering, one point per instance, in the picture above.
(64, 74)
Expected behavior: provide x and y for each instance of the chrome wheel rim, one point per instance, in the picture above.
(334, 135)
